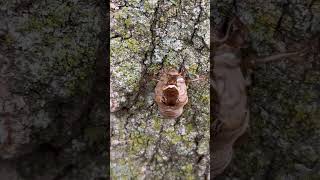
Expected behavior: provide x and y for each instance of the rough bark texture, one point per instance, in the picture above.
(284, 108)
(146, 37)
(52, 114)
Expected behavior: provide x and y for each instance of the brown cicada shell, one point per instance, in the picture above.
(171, 93)
(230, 86)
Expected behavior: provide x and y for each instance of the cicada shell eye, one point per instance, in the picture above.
(180, 80)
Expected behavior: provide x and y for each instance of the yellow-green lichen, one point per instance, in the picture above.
(173, 136)
(157, 123)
